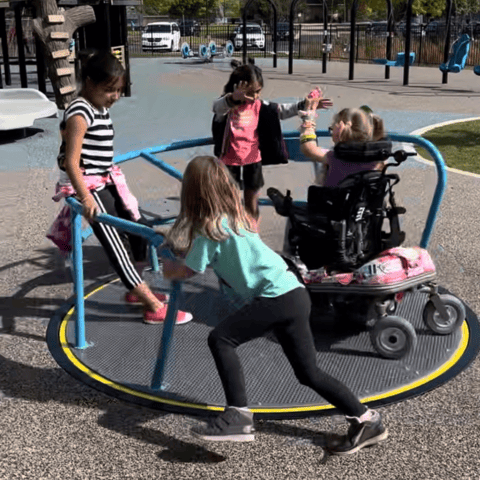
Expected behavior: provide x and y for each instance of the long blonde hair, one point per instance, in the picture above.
(359, 126)
(209, 194)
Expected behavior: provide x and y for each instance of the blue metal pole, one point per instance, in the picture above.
(132, 227)
(167, 335)
(170, 147)
(441, 181)
(168, 328)
(144, 231)
(152, 251)
(129, 226)
(80, 341)
(162, 165)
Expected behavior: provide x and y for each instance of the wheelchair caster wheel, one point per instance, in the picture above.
(393, 337)
(434, 320)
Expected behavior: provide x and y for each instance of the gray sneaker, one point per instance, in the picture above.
(232, 425)
(360, 434)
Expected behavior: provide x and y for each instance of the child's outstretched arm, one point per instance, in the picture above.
(75, 130)
(315, 100)
(308, 137)
(309, 147)
(288, 110)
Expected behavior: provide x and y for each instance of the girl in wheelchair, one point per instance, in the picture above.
(349, 125)
(340, 227)
(344, 242)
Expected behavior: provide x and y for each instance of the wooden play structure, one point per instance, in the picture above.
(57, 30)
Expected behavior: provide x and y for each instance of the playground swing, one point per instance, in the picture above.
(458, 57)
(398, 62)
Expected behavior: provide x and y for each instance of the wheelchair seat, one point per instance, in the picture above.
(342, 227)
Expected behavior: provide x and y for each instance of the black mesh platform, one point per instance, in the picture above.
(123, 350)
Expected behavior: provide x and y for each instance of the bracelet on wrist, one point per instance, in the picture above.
(307, 130)
(307, 138)
(309, 115)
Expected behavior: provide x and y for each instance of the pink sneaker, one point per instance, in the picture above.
(159, 316)
(133, 299)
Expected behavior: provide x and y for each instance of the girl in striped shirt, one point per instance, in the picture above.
(88, 172)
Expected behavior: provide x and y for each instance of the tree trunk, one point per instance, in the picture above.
(55, 30)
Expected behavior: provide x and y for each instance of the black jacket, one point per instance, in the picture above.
(272, 145)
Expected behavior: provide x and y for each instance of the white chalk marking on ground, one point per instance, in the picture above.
(423, 130)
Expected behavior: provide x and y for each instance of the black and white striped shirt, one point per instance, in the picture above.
(97, 148)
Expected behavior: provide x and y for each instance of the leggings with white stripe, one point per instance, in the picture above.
(122, 248)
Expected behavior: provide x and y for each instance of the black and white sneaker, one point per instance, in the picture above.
(364, 431)
(232, 425)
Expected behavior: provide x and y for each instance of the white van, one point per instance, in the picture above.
(161, 36)
(255, 36)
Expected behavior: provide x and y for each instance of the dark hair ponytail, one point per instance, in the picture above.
(100, 66)
(247, 72)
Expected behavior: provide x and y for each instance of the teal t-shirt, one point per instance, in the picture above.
(245, 263)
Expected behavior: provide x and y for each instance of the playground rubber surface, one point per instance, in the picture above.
(57, 427)
(121, 355)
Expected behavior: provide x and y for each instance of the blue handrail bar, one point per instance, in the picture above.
(441, 181)
(155, 240)
(80, 341)
(179, 145)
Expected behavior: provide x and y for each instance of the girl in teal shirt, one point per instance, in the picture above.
(220, 233)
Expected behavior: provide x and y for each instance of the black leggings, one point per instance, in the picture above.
(288, 316)
(122, 248)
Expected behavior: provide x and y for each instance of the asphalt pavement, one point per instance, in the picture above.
(54, 427)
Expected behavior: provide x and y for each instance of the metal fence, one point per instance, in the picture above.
(308, 43)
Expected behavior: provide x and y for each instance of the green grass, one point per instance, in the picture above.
(458, 143)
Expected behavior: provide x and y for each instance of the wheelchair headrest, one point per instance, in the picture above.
(363, 152)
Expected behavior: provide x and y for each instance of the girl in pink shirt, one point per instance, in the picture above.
(247, 131)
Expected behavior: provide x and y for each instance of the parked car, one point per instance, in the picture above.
(283, 31)
(255, 36)
(189, 27)
(161, 36)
